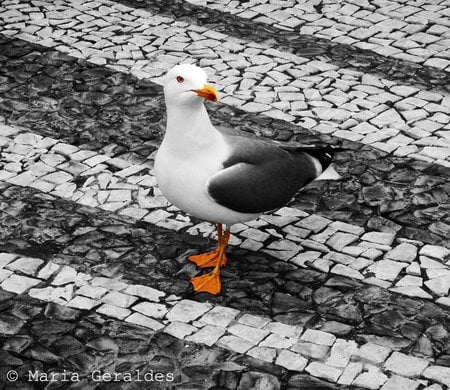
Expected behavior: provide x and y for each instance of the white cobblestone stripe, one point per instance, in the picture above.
(398, 119)
(408, 267)
(416, 31)
(316, 352)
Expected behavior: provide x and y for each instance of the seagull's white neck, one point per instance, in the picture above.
(189, 129)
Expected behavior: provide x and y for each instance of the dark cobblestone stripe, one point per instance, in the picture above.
(303, 45)
(103, 244)
(45, 338)
(116, 114)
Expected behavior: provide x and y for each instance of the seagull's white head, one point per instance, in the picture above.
(186, 85)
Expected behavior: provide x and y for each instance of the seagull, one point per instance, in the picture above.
(222, 175)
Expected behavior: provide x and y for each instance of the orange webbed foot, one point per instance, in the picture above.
(208, 259)
(207, 283)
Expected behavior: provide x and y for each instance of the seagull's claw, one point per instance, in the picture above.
(207, 283)
(208, 259)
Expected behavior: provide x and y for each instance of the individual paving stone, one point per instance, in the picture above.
(414, 269)
(350, 373)
(4, 274)
(253, 335)
(151, 309)
(341, 353)
(373, 378)
(437, 252)
(83, 303)
(208, 335)
(372, 253)
(10, 325)
(405, 365)
(57, 177)
(311, 350)
(318, 337)
(347, 228)
(324, 371)
(291, 361)
(340, 240)
(439, 286)
(412, 291)
(234, 343)
(339, 258)
(92, 291)
(26, 265)
(379, 237)
(187, 310)
(410, 280)
(60, 295)
(110, 284)
(303, 257)
(284, 330)
(315, 223)
(145, 292)
(220, 316)
(23, 179)
(119, 299)
(255, 234)
(282, 249)
(428, 263)
(340, 269)
(387, 269)
(19, 284)
(276, 341)
(403, 252)
(6, 258)
(440, 374)
(139, 319)
(179, 329)
(445, 301)
(434, 386)
(400, 383)
(66, 275)
(48, 270)
(113, 311)
(253, 321)
(263, 353)
(373, 352)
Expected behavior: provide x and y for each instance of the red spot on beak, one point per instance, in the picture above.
(207, 92)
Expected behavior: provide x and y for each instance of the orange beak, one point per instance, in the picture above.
(207, 92)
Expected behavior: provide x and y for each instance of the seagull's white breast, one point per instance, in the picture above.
(182, 179)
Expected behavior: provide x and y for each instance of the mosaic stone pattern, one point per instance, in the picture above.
(345, 288)
(416, 31)
(348, 104)
(319, 353)
(380, 258)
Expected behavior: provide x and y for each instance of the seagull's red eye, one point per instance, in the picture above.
(180, 79)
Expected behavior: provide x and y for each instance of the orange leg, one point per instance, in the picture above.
(209, 259)
(211, 282)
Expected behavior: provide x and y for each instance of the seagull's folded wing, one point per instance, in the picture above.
(259, 176)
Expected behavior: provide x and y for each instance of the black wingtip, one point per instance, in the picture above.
(324, 154)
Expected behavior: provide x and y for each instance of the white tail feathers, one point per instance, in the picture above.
(329, 174)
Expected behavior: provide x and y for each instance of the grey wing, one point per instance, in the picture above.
(259, 177)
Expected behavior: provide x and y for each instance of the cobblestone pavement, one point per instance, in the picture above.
(346, 288)
(349, 104)
(414, 31)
